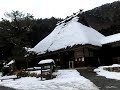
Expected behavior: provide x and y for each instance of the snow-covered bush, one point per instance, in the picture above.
(112, 69)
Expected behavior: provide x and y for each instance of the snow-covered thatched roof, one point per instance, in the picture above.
(68, 34)
(111, 38)
(11, 62)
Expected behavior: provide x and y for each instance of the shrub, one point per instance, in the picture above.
(5, 71)
(33, 74)
(38, 76)
(21, 73)
(112, 69)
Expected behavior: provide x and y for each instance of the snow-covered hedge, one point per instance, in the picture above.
(111, 72)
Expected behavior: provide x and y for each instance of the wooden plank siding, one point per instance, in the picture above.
(78, 53)
(86, 56)
(84, 52)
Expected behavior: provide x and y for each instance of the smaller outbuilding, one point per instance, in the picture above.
(8, 68)
(47, 67)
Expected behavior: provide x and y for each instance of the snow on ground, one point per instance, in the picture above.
(8, 77)
(112, 75)
(65, 80)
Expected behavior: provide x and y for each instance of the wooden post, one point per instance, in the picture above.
(51, 71)
(41, 71)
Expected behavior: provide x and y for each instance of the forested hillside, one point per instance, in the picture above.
(105, 18)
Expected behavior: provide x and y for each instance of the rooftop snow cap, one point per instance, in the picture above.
(68, 34)
(111, 39)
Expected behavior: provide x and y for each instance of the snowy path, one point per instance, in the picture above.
(65, 80)
(102, 82)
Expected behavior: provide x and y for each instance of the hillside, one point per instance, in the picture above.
(105, 19)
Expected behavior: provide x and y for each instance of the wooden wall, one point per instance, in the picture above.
(76, 55)
(84, 52)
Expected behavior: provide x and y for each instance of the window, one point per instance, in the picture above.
(82, 59)
(79, 59)
(57, 60)
(75, 59)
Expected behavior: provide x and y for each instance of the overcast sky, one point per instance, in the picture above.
(49, 8)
